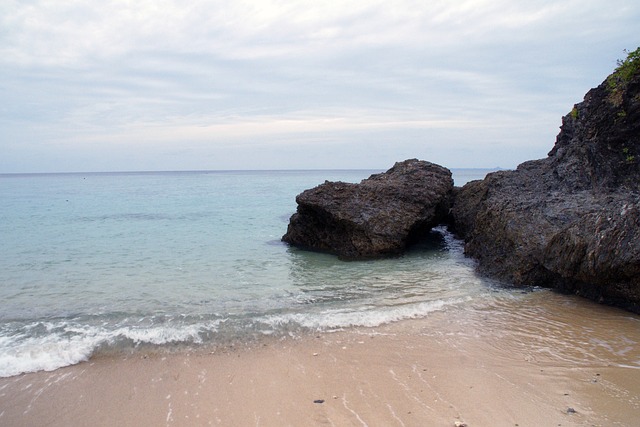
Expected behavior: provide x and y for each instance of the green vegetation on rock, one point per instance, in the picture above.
(630, 158)
(574, 112)
(629, 66)
(624, 72)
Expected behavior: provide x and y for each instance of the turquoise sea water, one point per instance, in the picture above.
(103, 262)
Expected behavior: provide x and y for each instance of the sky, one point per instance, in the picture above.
(102, 85)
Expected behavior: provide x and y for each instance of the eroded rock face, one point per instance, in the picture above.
(570, 221)
(380, 216)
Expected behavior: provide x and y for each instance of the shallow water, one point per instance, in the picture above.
(111, 262)
(542, 326)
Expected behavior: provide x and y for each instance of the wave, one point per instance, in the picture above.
(64, 343)
(46, 346)
(368, 317)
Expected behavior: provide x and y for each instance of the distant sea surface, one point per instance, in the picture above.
(95, 263)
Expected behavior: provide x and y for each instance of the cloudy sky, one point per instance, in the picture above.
(292, 84)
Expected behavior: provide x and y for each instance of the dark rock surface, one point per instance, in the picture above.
(570, 221)
(380, 216)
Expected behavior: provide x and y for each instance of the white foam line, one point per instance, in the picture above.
(393, 413)
(346, 406)
(169, 414)
(407, 390)
(439, 397)
(335, 319)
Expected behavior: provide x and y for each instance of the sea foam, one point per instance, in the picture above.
(68, 344)
(368, 317)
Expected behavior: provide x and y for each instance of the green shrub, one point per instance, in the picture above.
(628, 67)
(624, 72)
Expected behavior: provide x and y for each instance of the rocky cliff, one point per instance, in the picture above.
(570, 221)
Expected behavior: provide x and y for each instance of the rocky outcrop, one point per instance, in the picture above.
(570, 221)
(380, 216)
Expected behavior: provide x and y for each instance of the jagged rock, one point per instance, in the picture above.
(380, 216)
(570, 221)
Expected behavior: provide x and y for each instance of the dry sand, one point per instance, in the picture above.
(425, 372)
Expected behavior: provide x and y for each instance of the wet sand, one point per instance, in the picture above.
(548, 360)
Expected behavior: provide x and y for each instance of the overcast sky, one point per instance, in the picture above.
(267, 84)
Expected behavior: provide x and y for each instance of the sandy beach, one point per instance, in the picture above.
(436, 371)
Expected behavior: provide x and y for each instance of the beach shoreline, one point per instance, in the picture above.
(429, 371)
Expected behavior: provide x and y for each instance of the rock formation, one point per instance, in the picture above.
(570, 221)
(380, 216)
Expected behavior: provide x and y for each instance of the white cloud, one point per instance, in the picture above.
(487, 74)
(71, 32)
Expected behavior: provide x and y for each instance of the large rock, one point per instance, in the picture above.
(570, 221)
(380, 216)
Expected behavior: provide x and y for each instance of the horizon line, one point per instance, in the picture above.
(222, 171)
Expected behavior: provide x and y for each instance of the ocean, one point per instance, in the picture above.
(97, 263)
